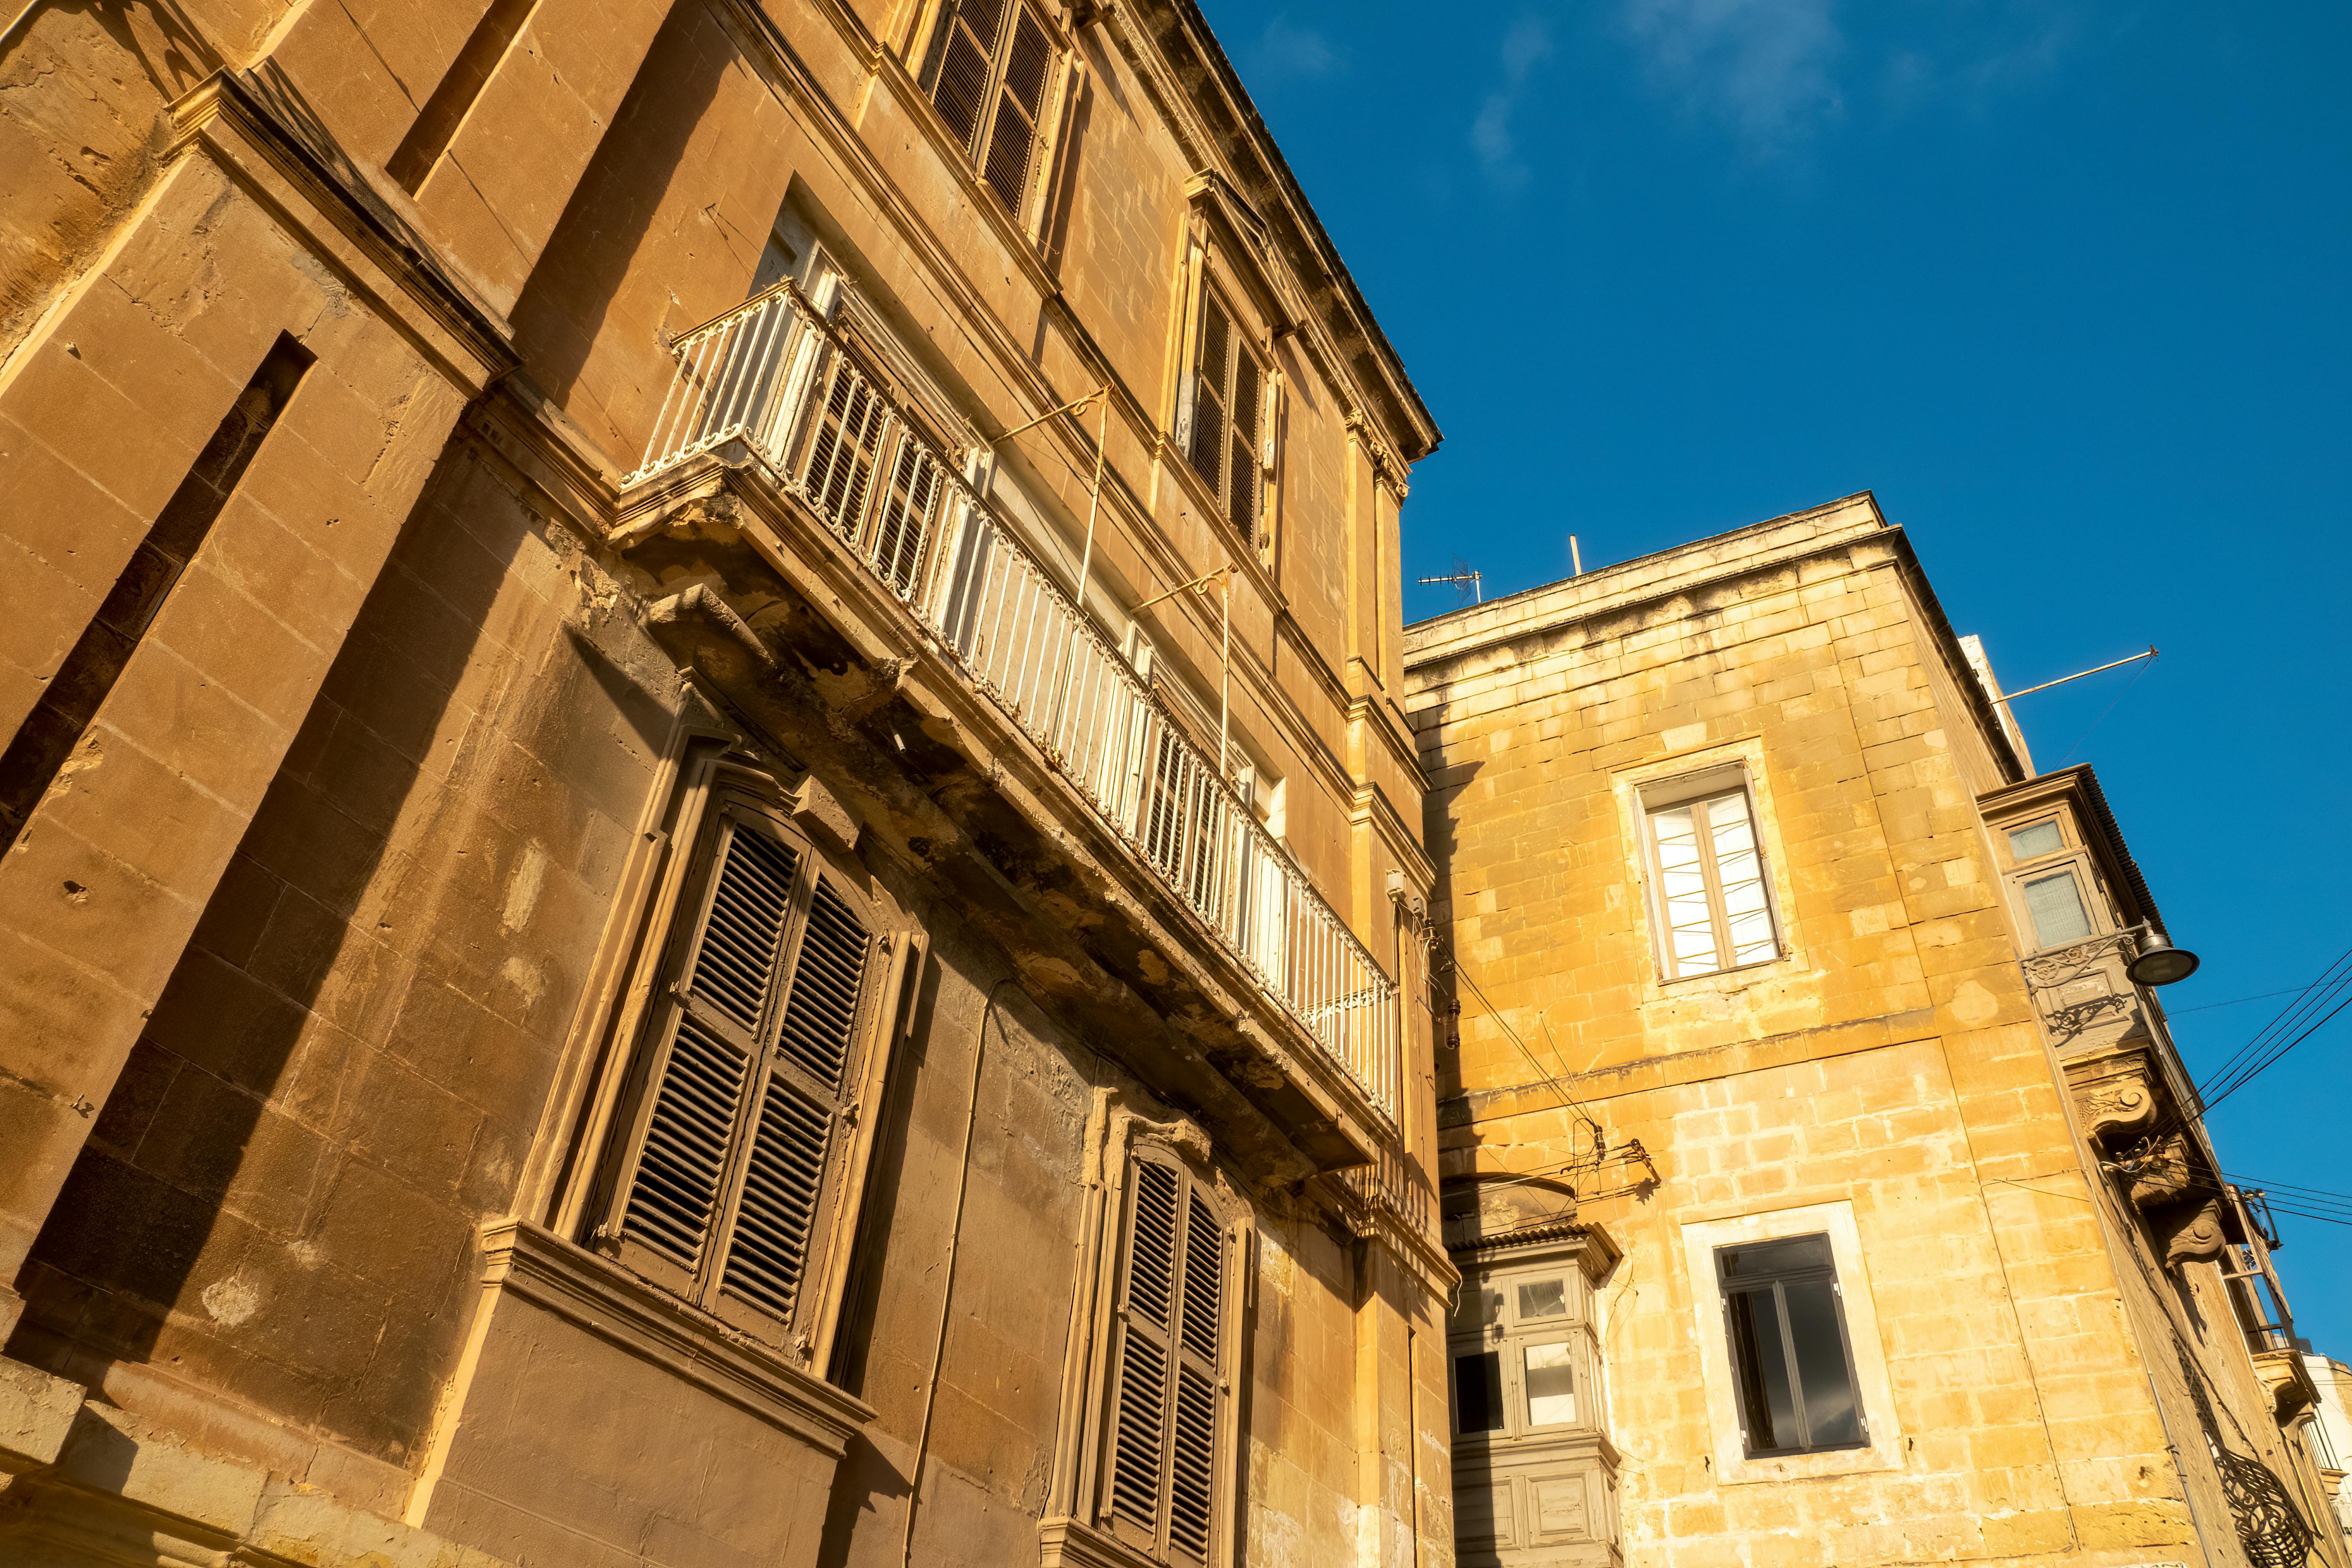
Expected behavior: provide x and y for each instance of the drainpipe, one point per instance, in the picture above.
(947, 1295)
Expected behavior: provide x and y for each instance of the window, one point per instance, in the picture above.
(1228, 400)
(2055, 904)
(1522, 1353)
(1168, 1399)
(987, 72)
(734, 1175)
(1713, 910)
(2041, 838)
(1790, 1357)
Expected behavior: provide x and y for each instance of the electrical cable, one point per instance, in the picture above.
(2103, 713)
(2251, 1073)
(2258, 1053)
(2233, 1002)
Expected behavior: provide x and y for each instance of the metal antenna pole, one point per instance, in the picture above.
(2012, 696)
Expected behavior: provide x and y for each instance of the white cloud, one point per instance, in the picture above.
(1285, 49)
(1763, 66)
(1527, 46)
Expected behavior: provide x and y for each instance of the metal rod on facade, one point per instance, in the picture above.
(1102, 392)
(2013, 696)
(1086, 557)
(1225, 684)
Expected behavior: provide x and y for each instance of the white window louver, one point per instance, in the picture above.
(740, 1132)
(1163, 1459)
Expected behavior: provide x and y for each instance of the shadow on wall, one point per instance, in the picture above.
(279, 1198)
(561, 313)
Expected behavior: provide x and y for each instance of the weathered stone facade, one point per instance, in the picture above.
(487, 484)
(1849, 1040)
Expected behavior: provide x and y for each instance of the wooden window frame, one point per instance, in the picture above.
(1510, 1333)
(667, 996)
(935, 37)
(2071, 858)
(1732, 1463)
(1706, 785)
(1247, 357)
(1097, 1529)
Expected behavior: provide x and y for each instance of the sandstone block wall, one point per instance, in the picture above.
(296, 945)
(1888, 1066)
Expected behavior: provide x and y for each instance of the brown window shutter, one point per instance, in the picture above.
(675, 1196)
(1012, 140)
(960, 65)
(1249, 387)
(785, 1168)
(1138, 1440)
(1192, 1447)
(1211, 371)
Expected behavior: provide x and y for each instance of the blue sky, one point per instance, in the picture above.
(2068, 285)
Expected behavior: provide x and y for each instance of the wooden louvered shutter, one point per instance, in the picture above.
(904, 532)
(1244, 475)
(733, 1177)
(1192, 1440)
(678, 1192)
(963, 57)
(792, 1145)
(1211, 364)
(1165, 1416)
(1020, 104)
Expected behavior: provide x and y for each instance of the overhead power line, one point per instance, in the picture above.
(2311, 1010)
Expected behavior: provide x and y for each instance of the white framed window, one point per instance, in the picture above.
(1788, 1346)
(1711, 894)
(1783, 1311)
(1524, 1355)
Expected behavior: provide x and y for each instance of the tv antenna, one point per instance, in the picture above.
(1467, 582)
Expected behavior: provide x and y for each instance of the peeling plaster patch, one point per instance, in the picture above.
(232, 1301)
(524, 976)
(1973, 1004)
(522, 888)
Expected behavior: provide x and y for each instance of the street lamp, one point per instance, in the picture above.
(2159, 963)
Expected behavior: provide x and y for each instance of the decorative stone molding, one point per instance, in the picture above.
(2288, 1384)
(1071, 1543)
(709, 514)
(1391, 468)
(2117, 1110)
(2195, 1235)
(700, 603)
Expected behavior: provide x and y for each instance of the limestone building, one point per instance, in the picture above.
(1825, 1183)
(705, 799)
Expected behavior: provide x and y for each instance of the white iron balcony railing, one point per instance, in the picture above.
(775, 375)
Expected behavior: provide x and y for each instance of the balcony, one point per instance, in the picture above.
(779, 390)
